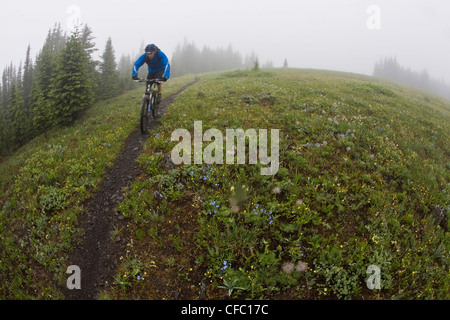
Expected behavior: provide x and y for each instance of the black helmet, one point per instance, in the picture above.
(150, 48)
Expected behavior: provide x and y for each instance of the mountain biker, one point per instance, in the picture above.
(158, 66)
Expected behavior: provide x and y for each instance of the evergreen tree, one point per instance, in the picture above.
(4, 91)
(389, 68)
(3, 131)
(71, 90)
(56, 39)
(8, 78)
(87, 42)
(89, 47)
(124, 67)
(188, 59)
(18, 116)
(27, 77)
(42, 117)
(18, 77)
(109, 78)
(250, 60)
(46, 69)
(256, 65)
(285, 63)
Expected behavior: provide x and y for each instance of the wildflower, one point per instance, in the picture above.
(299, 202)
(288, 267)
(276, 190)
(301, 267)
(225, 265)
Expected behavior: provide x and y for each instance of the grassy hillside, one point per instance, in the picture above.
(43, 187)
(362, 165)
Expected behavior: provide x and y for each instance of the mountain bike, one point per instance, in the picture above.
(149, 102)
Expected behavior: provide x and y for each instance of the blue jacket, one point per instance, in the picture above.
(159, 62)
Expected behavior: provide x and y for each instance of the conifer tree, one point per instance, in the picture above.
(18, 116)
(46, 69)
(40, 110)
(3, 131)
(109, 79)
(124, 66)
(27, 77)
(89, 47)
(71, 90)
(8, 78)
(87, 41)
(56, 39)
(256, 65)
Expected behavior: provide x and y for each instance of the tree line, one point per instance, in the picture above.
(389, 68)
(63, 81)
(188, 58)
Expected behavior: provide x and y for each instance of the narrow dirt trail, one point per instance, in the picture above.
(98, 255)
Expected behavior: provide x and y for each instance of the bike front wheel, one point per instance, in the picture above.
(154, 106)
(144, 116)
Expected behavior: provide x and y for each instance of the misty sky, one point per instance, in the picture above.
(346, 35)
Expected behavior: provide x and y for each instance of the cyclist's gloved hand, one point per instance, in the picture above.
(135, 78)
(165, 79)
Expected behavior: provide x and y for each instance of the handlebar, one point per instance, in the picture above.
(151, 80)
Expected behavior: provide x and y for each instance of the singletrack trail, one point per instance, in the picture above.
(98, 254)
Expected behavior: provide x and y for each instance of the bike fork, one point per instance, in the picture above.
(149, 99)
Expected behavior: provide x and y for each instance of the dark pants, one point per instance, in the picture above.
(155, 75)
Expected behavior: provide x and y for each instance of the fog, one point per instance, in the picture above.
(344, 35)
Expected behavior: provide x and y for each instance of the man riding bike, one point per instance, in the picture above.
(158, 66)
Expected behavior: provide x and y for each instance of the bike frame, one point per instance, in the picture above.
(149, 100)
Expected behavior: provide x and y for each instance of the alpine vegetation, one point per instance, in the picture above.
(213, 153)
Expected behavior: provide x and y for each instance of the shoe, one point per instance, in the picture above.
(158, 98)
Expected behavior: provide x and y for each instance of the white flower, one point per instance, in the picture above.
(301, 267)
(288, 267)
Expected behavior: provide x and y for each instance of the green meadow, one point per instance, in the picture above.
(363, 169)
(43, 187)
(363, 165)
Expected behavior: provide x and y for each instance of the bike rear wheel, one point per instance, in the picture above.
(144, 116)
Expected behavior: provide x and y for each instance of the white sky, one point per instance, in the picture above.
(322, 34)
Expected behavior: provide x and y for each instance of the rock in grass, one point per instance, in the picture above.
(167, 162)
(440, 215)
